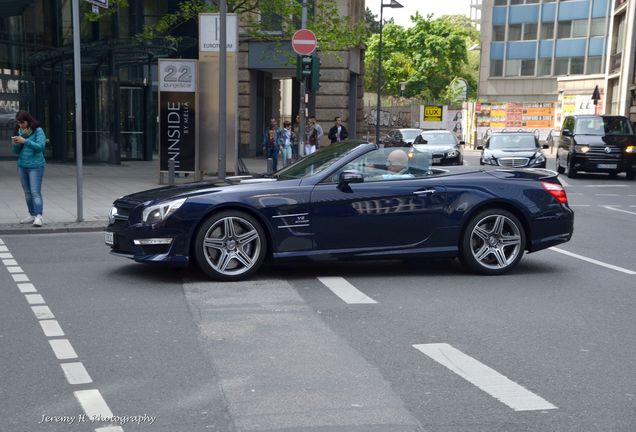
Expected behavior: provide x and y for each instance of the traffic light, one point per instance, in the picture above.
(309, 67)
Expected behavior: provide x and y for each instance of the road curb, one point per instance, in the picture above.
(68, 227)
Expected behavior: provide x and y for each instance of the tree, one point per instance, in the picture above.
(282, 18)
(372, 23)
(427, 56)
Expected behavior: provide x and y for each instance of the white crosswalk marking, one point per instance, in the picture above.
(593, 261)
(347, 292)
(487, 379)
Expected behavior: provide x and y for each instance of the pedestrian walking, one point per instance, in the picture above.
(338, 132)
(272, 140)
(288, 139)
(311, 137)
(319, 132)
(28, 143)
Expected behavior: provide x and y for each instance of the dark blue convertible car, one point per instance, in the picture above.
(349, 200)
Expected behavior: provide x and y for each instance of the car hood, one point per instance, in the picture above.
(434, 147)
(198, 188)
(614, 140)
(503, 153)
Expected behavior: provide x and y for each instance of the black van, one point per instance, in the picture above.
(592, 143)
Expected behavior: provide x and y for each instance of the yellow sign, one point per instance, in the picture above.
(433, 113)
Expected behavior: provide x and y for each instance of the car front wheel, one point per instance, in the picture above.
(230, 246)
(493, 242)
(559, 168)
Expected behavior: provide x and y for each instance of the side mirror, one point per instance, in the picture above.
(480, 147)
(349, 176)
(566, 132)
(545, 146)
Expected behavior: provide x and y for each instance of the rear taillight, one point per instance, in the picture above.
(556, 190)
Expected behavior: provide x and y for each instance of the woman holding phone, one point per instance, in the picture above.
(28, 143)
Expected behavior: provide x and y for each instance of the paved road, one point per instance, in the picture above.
(383, 346)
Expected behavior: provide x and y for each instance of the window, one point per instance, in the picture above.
(579, 28)
(496, 68)
(576, 65)
(527, 67)
(594, 65)
(529, 31)
(547, 30)
(513, 67)
(501, 2)
(498, 33)
(514, 32)
(544, 67)
(516, 2)
(564, 29)
(561, 66)
(597, 27)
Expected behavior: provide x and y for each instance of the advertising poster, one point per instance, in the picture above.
(177, 110)
(494, 116)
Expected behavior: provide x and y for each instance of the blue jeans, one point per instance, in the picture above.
(272, 153)
(31, 179)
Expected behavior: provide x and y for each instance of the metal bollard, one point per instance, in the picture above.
(171, 164)
(270, 168)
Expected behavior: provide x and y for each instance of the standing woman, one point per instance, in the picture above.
(28, 144)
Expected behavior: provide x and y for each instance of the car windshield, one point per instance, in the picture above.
(410, 134)
(512, 142)
(439, 138)
(597, 125)
(317, 162)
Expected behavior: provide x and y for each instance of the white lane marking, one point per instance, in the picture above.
(42, 312)
(51, 328)
(5, 256)
(15, 269)
(20, 277)
(93, 403)
(485, 378)
(109, 429)
(347, 292)
(618, 210)
(62, 349)
(9, 262)
(607, 194)
(33, 299)
(4, 249)
(575, 193)
(607, 185)
(26, 288)
(563, 182)
(1, 242)
(76, 373)
(593, 261)
(580, 205)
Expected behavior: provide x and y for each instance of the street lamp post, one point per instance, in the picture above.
(394, 5)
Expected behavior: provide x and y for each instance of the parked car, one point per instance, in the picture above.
(592, 143)
(443, 146)
(513, 150)
(7, 118)
(401, 137)
(349, 200)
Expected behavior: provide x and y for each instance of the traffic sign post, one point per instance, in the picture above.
(304, 42)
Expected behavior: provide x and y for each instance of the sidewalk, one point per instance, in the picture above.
(102, 184)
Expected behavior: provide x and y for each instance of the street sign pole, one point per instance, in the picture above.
(222, 88)
(77, 80)
(303, 90)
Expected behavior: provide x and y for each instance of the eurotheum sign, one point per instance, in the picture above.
(210, 32)
(177, 110)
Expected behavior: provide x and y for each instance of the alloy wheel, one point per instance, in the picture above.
(232, 246)
(495, 242)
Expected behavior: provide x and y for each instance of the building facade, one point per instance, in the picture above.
(119, 78)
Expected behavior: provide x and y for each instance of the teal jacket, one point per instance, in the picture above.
(31, 153)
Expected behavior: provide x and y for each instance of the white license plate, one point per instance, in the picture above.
(607, 166)
(109, 238)
(437, 160)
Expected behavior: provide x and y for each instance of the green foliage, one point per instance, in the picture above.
(427, 57)
(334, 31)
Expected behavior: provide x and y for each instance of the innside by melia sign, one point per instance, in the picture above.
(177, 115)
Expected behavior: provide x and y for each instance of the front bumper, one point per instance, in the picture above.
(596, 163)
(125, 242)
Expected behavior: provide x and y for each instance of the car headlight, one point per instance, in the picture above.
(538, 159)
(582, 148)
(630, 149)
(159, 212)
(112, 214)
(489, 160)
(451, 153)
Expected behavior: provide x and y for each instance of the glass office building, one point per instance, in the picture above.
(36, 74)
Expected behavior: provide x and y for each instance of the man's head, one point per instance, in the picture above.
(338, 121)
(273, 122)
(397, 160)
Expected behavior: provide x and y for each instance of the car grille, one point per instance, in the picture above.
(513, 162)
(438, 155)
(597, 151)
(124, 208)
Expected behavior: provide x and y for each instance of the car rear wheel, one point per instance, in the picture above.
(493, 242)
(230, 246)
(559, 168)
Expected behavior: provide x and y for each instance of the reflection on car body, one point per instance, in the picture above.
(333, 204)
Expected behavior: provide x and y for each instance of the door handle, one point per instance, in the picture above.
(424, 192)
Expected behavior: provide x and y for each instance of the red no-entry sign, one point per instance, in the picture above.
(304, 42)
